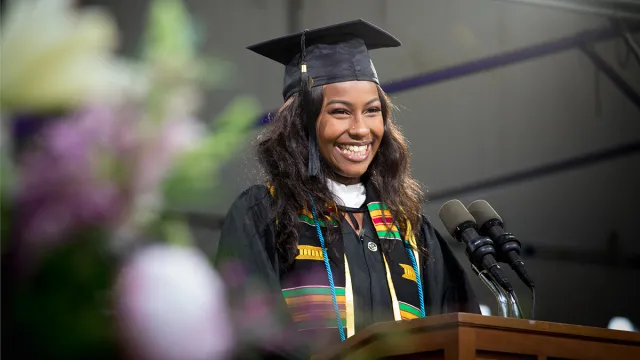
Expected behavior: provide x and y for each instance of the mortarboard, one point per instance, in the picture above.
(334, 53)
(325, 55)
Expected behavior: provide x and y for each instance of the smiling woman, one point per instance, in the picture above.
(349, 128)
(337, 233)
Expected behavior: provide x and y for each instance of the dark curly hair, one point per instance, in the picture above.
(283, 149)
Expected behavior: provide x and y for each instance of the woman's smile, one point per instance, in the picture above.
(354, 152)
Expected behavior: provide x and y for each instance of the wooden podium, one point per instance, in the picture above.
(471, 336)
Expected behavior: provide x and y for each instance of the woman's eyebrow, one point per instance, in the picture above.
(348, 103)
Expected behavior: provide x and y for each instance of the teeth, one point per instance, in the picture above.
(354, 149)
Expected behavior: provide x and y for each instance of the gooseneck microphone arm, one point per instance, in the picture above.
(481, 253)
(508, 304)
(514, 305)
(506, 244)
(498, 292)
(508, 248)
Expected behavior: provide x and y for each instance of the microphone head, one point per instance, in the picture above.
(483, 212)
(453, 213)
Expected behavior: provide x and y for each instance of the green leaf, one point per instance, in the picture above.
(216, 72)
(177, 232)
(169, 31)
(193, 175)
(7, 172)
(7, 185)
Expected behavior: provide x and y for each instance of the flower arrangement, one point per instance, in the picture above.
(94, 146)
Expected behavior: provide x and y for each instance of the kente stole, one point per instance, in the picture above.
(306, 288)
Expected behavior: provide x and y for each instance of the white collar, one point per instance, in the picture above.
(352, 196)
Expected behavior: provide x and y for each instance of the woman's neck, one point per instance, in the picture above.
(344, 180)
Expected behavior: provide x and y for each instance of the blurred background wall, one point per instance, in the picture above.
(579, 223)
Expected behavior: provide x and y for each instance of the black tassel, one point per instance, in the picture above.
(306, 82)
(314, 153)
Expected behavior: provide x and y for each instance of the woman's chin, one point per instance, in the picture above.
(348, 170)
(350, 175)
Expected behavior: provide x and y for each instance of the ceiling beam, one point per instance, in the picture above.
(586, 160)
(616, 9)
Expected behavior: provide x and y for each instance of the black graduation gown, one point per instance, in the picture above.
(248, 238)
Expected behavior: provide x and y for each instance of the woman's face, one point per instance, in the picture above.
(350, 127)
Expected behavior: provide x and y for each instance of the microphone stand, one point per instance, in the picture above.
(516, 311)
(498, 292)
(508, 304)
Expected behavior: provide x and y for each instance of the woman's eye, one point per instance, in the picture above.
(374, 110)
(339, 112)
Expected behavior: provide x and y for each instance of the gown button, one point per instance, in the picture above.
(372, 246)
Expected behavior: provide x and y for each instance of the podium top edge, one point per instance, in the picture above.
(510, 324)
(454, 321)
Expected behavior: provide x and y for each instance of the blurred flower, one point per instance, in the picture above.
(167, 39)
(189, 183)
(171, 306)
(103, 148)
(155, 157)
(54, 57)
(99, 168)
(63, 183)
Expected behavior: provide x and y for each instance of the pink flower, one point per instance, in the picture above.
(100, 168)
(65, 178)
(171, 305)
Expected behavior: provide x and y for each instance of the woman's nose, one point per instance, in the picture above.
(359, 128)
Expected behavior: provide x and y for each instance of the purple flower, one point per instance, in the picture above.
(99, 168)
(62, 186)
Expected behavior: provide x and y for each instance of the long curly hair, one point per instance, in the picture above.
(283, 153)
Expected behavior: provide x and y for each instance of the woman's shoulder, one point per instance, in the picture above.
(428, 224)
(257, 195)
(251, 209)
(430, 237)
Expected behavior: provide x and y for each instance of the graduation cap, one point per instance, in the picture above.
(325, 55)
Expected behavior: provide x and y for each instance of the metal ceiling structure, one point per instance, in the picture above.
(614, 9)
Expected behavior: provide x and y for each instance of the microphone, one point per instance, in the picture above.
(479, 249)
(507, 245)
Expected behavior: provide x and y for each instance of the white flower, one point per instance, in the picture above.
(54, 57)
(172, 306)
